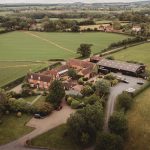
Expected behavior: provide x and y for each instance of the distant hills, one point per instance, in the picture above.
(79, 4)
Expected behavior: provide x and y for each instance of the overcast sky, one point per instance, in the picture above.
(62, 1)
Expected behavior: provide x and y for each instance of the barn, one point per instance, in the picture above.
(120, 66)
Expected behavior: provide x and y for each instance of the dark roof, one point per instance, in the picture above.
(39, 77)
(120, 65)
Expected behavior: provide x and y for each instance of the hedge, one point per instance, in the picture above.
(144, 87)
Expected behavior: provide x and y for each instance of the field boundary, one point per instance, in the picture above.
(49, 41)
(112, 51)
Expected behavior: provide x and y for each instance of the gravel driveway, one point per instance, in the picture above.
(41, 125)
(115, 91)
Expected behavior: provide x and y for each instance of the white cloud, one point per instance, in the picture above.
(60, 1)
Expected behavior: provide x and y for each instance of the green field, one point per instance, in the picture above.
(140, 53)
(40, 46)
(12, 127)
(44, 46)
(10, 71)
(139, 123)
(55, 139)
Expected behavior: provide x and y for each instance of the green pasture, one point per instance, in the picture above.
(55, 139)
(38, 45)
(12, 127)
(139, 123)
(140, 53)
(10, 71)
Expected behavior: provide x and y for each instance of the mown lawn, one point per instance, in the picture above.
(12, 128)
(140, 53)
(45, 46)
(10, 71)
(139, 123)
(55, 139)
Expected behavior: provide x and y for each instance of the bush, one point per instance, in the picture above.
(72, 73)
(75, 104)
(108, 141)
(87, 91)
(85, 78)
(102, 87)
(83, 125)
(118, 124)
(80, 81)
(114, 82)
(19, 114)
(124, 101)
(69, 100)
(109, 77)
(44, 108)
(92, 99)
(110, 57)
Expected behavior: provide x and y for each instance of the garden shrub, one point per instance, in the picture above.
(75, 104)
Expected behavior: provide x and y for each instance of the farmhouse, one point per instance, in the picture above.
(120, 66)
(38, 80)
(44, 79)
(83, 68)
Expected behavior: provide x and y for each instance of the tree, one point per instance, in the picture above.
(44, 108)
(116, 25)
(91, 100)
(84, 50)
(4, 102)
(118, 124)
(84, 124)
(56, 93)
(124, 101)
(108, 141)
(87, 91)
(102, 87)
(75, 28)
(72, 73)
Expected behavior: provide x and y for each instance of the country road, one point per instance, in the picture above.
(115, 91)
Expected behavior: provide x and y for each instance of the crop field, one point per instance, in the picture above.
(139, 123)
(44, 46)
(140, 53)
(10, 71)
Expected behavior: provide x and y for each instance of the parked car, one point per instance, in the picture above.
(38, 116)
(125, 81)
(140, 83)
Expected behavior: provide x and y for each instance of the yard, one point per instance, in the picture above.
(55, 139)
(139, 123)
(140, 53)
(12, 128)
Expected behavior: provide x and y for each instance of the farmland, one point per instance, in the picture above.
(17, 48)
(139, 121)
(45, 46)
(10, 71)
(140, 53)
